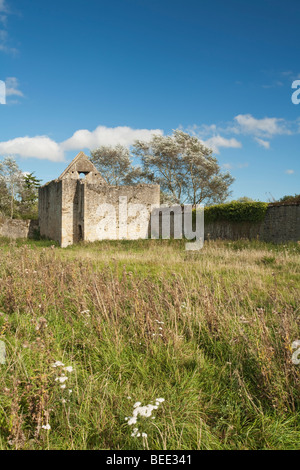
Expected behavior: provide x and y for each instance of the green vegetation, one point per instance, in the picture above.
(18, 191)
(289, 200)
(210, 332)
(236, 211)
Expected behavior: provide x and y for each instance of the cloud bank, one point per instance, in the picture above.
(107, 136)
(41, 147)
(44, 148)
(217, 141)
(260, 130)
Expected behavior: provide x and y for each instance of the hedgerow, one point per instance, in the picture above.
(236, 212)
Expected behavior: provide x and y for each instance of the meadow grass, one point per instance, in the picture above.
(209, 331)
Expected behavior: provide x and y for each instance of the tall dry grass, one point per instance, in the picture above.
(210, 332)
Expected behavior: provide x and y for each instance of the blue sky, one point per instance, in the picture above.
(83, 73)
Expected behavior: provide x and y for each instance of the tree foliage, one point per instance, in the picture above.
(115, 165)
(184, 168)
(18, 191)
(28, 204)
(290, 199)
(180, 163)
(12, 179)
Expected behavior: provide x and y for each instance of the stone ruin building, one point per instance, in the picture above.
(78, 206)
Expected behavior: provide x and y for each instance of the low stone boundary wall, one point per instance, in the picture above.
(16, 228)
(281, 224)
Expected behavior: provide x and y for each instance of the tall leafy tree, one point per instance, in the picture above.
(12, 177)
(4, 198)
(184, 167)
(28, 205)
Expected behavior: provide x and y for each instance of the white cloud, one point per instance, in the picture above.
(266, 127)
(12, 87)
(290, 75)
(274, 84)
(44, 148)
(3, 7)
(107, 136)
(4, 39)
(41, 147)
(261, 130)
(227, 166)
(262, 143)
(201, 131)
(243, 165)
(3, 11)
(218, 141)
(230, 166)
(289, 172)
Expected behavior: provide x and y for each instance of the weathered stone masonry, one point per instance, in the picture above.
(281, 224)
(71, 208)
(69, 212)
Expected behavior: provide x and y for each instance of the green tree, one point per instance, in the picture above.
(184, 168)
(4, 198)
(115, 165)
(28, 205)
(290, 199)
(13, 179)
(244, 199)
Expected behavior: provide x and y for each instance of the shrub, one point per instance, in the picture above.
(236, 212)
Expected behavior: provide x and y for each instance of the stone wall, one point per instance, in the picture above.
(80, 205)
(16, 228)
(281, 224)
(72, 209)
(50, 210)
(105, 209)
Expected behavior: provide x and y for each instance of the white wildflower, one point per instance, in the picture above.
(47, 427)
(61, 379)
(134, 433)
(68, 369)
(132, 420)
(57, 364)
(144, 412)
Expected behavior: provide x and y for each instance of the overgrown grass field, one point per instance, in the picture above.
(94, 332)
